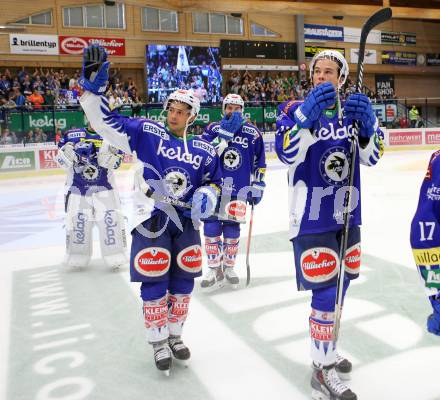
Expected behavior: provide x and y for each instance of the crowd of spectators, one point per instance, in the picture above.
(201, 73)
(271, 87)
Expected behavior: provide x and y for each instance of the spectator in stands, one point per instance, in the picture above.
(8, 137)
(40, 136)
(29, 137)
(49, 98)
(26, 85)
(413, 116)
(18, 98)
(36, 99)
(58, 135)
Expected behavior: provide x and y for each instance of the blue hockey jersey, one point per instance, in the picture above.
(85, 178)
(425, 230)
(318, 177)
(244, 158)
(166, 167)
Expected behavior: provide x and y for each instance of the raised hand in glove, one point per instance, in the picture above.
(320, 98)
(256, 193)
(358, 108)
(95, 69)
(230, 125)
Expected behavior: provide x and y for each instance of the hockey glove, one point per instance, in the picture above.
(95, 69)
(85, 152)
(230, 125)
(320, 98)
(109, 160)
(203, 203)
(358, 108)
(69, 153)
(433, 322)
(256, 193)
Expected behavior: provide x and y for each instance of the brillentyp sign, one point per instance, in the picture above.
(33, 44)
(75, 44)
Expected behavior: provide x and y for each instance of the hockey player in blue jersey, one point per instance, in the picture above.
(166, 253)
(425, 239)
(313, 139)
(241, 150)
(91, 198)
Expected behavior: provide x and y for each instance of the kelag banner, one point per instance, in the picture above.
(75, 119)
(208, 115)
(45, 120)
(399, 38)
(399, 58)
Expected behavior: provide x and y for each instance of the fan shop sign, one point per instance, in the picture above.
(75, 44)
(46, 45)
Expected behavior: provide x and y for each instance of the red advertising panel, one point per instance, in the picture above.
(432, 137)
(403, 138)
(75, 44)
(47, 159)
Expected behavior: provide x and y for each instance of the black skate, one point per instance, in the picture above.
(343, 367)
(213, 280)
(179, 350)
(326, 385)
(162, 357)
(231, 277)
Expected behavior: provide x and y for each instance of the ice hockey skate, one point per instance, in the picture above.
(231, 277)
(326, 385)
(179, 350)
(213, 280)
(162, 357)
(343, 367)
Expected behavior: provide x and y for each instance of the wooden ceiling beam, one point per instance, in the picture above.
(295, 8)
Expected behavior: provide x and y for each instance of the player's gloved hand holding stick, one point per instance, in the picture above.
(358, 108)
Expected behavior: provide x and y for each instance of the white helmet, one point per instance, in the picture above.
(184, 96)
(335, 56)
(232, 98)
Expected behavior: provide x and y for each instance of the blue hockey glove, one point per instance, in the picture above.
(320, 98)
(203, 203)
(85, 151)
(256, 193)
(358, 107)
(229, 125)
(95, 69)
(433, 322)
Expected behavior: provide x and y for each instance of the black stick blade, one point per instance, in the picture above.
(381, 16)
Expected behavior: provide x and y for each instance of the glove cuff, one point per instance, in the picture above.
(300, 119)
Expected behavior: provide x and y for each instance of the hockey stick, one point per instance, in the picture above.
(377, 18)
(248, 246)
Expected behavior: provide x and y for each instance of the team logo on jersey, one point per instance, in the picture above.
(90, 172)
(232, 159)
(319, 264)
(177, 182)
(190, 259)
(334, 165)
(152, 261)
(353, 259)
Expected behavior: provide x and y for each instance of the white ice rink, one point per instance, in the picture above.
(70, 335)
